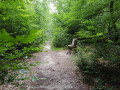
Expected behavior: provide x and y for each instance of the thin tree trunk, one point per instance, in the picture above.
(113, 21)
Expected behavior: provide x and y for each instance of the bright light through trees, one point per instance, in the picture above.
(52, 8)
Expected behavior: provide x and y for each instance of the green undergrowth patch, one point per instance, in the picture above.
(60, 37)
(14, 61)
(56, 48)
(99, 66)
(41, 46)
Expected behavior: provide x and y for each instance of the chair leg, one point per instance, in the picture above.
(69, 50)
(75, 51)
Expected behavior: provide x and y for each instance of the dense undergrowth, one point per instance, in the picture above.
(99, 65)
(22, 32)
(60, 37)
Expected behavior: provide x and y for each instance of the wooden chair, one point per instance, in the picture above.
(72, 46)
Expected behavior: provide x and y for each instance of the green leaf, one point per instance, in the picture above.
(34, 78)
(45, 51)
(32, 64)
(20, 38)
(42, 78)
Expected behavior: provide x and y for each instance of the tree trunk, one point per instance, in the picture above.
(113, 21)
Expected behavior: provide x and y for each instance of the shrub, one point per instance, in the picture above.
(60, 37)
(99, 65)
(40, 38)
(108, 52)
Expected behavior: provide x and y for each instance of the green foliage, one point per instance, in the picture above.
(99, 66)
(34, 78)
(108, 52)
(60, 37)
(22, 31)
(95, 23)
(40, 38)
(14, 15)
(90, 18)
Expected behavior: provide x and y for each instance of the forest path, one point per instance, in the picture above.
(56, 72)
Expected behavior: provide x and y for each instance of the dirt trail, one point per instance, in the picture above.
(56, 71)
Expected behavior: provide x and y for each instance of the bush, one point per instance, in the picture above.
(108, 52)
(18, 31)
(61, 38)
(99, 65)
(40, 38)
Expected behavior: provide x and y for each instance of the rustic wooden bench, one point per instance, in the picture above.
(72, 46)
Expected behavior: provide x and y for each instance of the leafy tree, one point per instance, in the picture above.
(22, 30)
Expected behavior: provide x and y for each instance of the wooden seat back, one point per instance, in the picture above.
(74, 42)
(72, 46)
